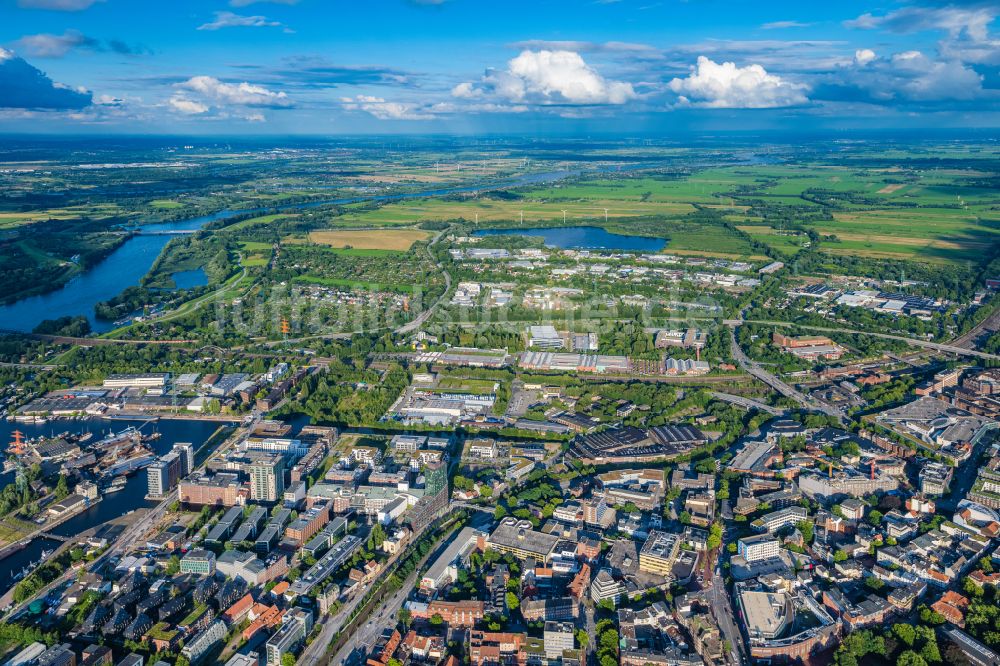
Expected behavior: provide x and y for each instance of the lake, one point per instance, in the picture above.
(127, 265)
(582, 238)
(190, 279)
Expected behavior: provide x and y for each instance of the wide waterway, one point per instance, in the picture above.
(113, 505)
(126, 266)
(122, 268)
(582, 238)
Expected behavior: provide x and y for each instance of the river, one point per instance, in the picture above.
(127, 265)
(112, 506)
(123, 268)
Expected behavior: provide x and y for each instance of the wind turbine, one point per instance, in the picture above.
(522, 217)
(564, 217)
(605, 216)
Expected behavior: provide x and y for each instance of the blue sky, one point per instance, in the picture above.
(479, 66)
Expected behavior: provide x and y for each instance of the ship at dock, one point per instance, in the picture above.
(30, 568)
(103, 459)
(116, 484)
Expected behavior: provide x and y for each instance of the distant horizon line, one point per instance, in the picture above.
(578, 136)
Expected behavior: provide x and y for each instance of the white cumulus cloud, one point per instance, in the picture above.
(384, 110)
(908, 77)
(972, 21)
(548, 77)
(863, 56)
(242, 94)
(188, 107)
(726, 86)
(968, 37)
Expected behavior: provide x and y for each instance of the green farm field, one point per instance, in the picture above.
(935, 215)
(496, 210)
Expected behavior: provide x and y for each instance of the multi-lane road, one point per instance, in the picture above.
(751, 367)
(747, 403)
(950, 348)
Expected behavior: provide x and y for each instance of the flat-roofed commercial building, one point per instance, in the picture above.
(605, 586)
(558, 637)
(544, 337)
(223, 489)
(186, 452)
(201, 644)
(198, 561)
(519, 538)
(642, 487)
(659, 553)
(767, 614)
(774, 521)
(308, 524)
(139, 380)
(295, 626)
(445, 568)
(164, 475)
(454, 613)
(758, 548)
(267, 479)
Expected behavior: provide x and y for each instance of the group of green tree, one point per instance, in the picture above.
(901, 644)
(16, 496)
(628, 338)
(607, 643)
(348, 393)
(982, 618)
(72, 327)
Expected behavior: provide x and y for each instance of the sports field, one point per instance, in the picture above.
(399, 240)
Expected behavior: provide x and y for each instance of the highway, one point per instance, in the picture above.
(753, 368)
(937, 346)
(748, 403)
